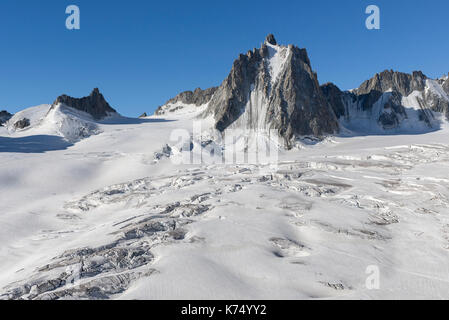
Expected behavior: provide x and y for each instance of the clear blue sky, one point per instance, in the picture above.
(140, 53)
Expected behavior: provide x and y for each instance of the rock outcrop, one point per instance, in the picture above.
(198, 97)
(271, 39)
(334, 97)
(403, 83)
(446, 85)
(4, 117)
(273, 88)
(22, 124)
(95, 104)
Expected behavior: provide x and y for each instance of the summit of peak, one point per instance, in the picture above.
(95, 104)
(271, 39)
(95, 92)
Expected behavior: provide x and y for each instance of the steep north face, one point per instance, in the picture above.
(273, 87)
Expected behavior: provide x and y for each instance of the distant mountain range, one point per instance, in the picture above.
(274, 87)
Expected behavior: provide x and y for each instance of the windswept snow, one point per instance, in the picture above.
(58, 120)
(34, 114)
(277, 58)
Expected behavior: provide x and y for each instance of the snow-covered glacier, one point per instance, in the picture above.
(101, 219)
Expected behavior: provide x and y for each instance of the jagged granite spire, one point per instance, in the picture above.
(271, 40)
(273, 87)
(94, 104)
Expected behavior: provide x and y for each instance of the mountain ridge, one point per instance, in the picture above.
(275, 87)
(95, 104)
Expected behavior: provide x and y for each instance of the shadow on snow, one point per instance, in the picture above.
(33, 144)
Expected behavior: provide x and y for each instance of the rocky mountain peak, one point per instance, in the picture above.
(391, 100)
(95, 92)
(403, 83)
(271, 40)
(198, 97)
(95, 104)
(273, 88)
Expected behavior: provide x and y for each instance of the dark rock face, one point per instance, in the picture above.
(446, 85)
(143, 115)
(198, 98)
(271, 40)
(22, 124)
(95, 104)
(262, 93)
(334, 97)
(4, 116)
(403, 83)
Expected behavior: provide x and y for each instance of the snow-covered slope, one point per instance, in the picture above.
(58, 120)
(34, 114)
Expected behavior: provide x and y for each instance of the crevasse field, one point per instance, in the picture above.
(113, 217)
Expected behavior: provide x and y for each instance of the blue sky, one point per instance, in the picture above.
(140, 53)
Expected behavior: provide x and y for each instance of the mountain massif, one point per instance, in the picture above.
(391, 101)
(275, 88)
